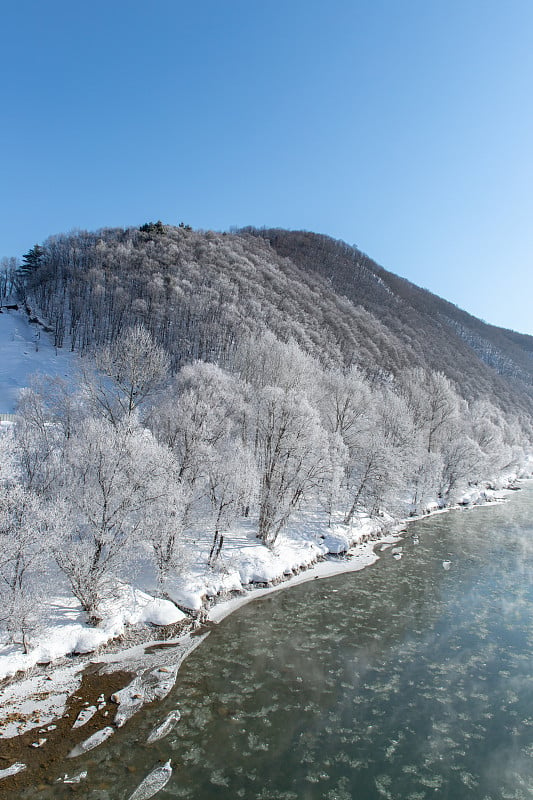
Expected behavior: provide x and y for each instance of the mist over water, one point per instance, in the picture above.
(404, 681)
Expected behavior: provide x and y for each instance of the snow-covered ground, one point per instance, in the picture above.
(26, 349)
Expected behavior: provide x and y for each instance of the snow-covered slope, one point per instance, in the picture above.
(24, 350)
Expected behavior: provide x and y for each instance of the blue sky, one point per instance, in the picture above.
(403, 126)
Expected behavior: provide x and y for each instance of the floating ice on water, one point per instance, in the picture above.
(153, 782)
(165, 727)
(432, 781)
(397, 556)
(12, 770)
(194, 754)
(383, 783)
(446, 564)
(218, 778)
(469, 780)
(391, 749)
(254, 743)
(92, 742)
(77, 778)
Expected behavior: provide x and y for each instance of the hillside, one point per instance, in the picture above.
(24, 351)
(249, 376)
(437, 333)
(199, 293)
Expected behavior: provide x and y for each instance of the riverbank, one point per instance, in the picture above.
(65, 689)
(48, 734)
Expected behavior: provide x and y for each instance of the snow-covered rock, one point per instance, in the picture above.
(337, 542)
(12, 770)
(92, 742)
(161, 612)
(78, 778)
(152, 685)
(84, 716)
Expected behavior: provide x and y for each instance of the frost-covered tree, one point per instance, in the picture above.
(8, 277)
(347, 410)
(202, 407)
(282, 427)
(345, 402)
(292, 455)
(424, 478)
(26, 530)
(39, 443)
(233, 480)
(52, 406)
(128, 372)
(9, 468)
(462, 461)
(369, 472)
(164, 530)
(112, 478)
(433, 403)
(201, 420)
(265, 360)
(487, 428)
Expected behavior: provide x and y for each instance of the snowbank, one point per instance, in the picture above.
(67, 631)
(247, 564)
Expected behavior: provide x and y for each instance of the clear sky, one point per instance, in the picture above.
(402, 126)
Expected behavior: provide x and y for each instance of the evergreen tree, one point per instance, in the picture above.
(153, 228)
(31, 261)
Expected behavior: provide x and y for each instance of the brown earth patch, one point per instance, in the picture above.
(46, 763)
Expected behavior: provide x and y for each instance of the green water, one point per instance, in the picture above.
(404, 681)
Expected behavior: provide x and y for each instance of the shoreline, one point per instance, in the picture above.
(105, 673)
(108, 673)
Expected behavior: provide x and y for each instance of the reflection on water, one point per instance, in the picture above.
(405, 681)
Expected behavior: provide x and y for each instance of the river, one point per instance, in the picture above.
(411, 679)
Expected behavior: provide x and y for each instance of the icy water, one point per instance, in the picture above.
(407, 680)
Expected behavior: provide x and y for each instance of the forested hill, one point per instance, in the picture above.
(236, 382)
(444, 337)
(200, 293)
